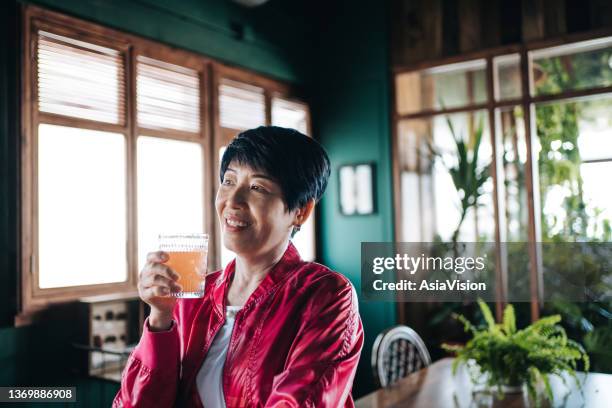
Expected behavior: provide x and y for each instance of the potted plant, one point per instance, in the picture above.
(467, 175)
(509, 359)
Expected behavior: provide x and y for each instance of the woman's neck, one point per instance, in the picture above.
(250, 271)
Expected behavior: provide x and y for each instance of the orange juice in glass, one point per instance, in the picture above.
(187, 256)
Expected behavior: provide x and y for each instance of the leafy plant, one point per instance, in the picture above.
(467, 176)
(592, 323)
(514, 357)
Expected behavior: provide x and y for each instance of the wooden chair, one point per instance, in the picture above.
(397, 352)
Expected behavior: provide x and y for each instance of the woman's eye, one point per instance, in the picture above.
(227, 182)
(257, 188)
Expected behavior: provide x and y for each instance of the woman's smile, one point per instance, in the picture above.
(235, 224)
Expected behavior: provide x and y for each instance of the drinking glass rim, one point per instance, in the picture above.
(183, 235)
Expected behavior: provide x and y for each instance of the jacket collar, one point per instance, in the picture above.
(277, 274)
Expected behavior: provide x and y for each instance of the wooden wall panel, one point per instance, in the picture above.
(470, 25)
(433, 23)
(533, 19)
(510, 21)
(554, 17)
(416, 31)
(429, 31)
(601, 13)
(578, 14)
(490, 28)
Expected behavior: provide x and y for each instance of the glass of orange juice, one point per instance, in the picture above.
(187, 256)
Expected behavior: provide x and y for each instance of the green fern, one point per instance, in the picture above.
(509, 320)
(514, 357)
(488, 316)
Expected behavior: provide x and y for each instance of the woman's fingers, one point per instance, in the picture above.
(157, 282)
(157, 279)
(157, 291)
(158, 256)
(149, 293)
(171, 286)
(157, 269)
(153, 268)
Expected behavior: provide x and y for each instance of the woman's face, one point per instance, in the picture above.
(252, 212)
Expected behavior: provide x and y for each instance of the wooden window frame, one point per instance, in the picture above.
(33, 299)
(527, 102)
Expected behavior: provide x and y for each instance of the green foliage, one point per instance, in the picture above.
(592, 323)
(558, 130)
(467, 176)
(514, 357)
(509, 324)
(597, 342)
(559, 164)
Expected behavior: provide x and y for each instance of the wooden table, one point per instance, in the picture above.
(435, 386)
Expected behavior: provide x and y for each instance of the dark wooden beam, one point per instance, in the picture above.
(490, 26)
(533, 20)
(470, 21)
(601, 13)
(554, 17)
(416, 31)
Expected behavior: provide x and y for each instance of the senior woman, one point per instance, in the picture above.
(271, 329)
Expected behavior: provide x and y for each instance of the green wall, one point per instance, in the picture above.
(336, 50)
(351, 118)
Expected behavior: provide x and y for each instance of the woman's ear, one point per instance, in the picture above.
(303, 213)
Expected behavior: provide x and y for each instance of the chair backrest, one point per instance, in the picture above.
(397, 352)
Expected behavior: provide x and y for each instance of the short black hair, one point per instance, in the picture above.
(298, 162)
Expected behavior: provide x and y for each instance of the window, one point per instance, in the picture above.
(122, 137)
(241, 106)
(545, 115)
(167, 95)
(430, 149)
(574, 151)
(170, 172)
(442, 87)
(81, 214)
(170, 196)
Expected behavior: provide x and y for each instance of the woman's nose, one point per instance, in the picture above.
(237, 196)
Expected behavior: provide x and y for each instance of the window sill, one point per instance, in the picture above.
(49, 310)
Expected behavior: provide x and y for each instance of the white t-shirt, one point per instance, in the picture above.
(209, 379)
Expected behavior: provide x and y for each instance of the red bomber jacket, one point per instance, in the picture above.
(295, 343)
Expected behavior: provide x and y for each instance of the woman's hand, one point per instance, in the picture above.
(155, 283)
